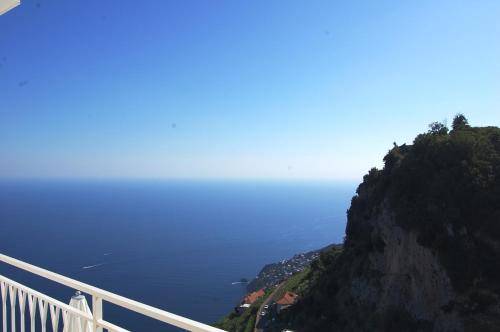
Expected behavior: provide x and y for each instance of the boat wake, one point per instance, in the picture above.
(92, 266)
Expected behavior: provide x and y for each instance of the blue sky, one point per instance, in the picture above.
(236, 89)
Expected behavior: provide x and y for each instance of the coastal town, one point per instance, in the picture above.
(269, 295)
(273, 291)
(273, 274)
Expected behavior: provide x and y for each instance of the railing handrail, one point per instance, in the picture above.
(141, 308)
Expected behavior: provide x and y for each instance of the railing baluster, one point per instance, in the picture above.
(96, 312)
(65, 317)
(54, 317)
(32, 307)
(42, 307)
(88, 326)
(22, 306)
(13, 297)
(4, 305)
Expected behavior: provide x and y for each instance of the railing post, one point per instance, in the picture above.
(13, 297)
(4, 305)
(96, 312)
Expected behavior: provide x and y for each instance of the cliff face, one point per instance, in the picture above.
(422, 246)
(412, 276)
(403, 276)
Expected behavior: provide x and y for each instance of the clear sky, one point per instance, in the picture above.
(236, 89)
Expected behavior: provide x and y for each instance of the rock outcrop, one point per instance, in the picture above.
(404, 275)
(422, 246)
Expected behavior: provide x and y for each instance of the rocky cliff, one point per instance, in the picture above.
(397, 280)
(422, 247)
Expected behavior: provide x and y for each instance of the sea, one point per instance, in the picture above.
(179, 245)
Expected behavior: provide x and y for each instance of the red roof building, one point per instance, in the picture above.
(288, 298)
(285, 301)
(252, 297)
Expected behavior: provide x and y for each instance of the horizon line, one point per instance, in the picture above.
(201, 179)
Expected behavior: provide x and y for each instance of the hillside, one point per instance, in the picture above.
(272, 274)
(422, 246)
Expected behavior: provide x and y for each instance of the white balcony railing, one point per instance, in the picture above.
(21, 296)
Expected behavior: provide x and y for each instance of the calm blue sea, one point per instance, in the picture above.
(176, 245)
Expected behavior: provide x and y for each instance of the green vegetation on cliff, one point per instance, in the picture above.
(244, 322)
(445, 189)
